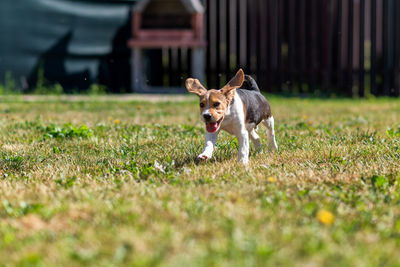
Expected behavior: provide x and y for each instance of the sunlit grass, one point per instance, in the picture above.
(104, 182)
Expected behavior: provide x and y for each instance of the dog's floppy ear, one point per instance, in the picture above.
(235, 82)
(194, 86)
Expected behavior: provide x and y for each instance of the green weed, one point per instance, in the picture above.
(67, 131)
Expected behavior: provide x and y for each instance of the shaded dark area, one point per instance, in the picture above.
(50, 69)
(154, 67)
(71, 43)
(113, 72)
(114, 69)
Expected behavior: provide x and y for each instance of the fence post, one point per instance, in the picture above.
(198, 63)
(137, 75)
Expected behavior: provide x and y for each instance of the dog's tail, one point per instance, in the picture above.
(252, 85)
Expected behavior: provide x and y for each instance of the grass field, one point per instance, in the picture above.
(114, 182)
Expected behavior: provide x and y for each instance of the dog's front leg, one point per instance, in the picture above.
(243, 140)
(211, 138)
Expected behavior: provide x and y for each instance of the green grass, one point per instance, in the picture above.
(109, 183)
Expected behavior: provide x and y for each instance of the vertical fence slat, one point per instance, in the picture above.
(350, 34)
(213, 43)
(218, 44)
(243, 35)
(374, 90)
(327, 45)
(179, 67)
(324, 41)
(385, 48)
(397, 48)
(291, 41)
(314, 43)
(267, 49)
(279, 44)
(339, 46)
(228, 39)
(259, 39)
(238, 41)
(390, 48)
(252, 37)
(379, 48)
(303, 44)
(208, 51)
(270, 75)
(361, 49)
(170, 68)
(232, 33)
(310, 44)
(392, 55)
(273, 41)
(222, 42)
(249, 35)
(189, 61)
(262, 33)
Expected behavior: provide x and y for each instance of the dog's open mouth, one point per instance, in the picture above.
(212, 127)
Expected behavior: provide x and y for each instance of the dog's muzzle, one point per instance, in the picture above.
(212, 127)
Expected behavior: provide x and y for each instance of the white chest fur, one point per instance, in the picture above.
(234, 118)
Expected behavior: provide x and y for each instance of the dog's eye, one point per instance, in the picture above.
(216, 104)
(202, 105)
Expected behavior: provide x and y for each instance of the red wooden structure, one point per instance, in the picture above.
(166, 24)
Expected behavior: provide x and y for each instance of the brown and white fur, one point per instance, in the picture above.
(237, 111)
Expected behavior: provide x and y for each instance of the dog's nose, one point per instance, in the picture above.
(207, 117)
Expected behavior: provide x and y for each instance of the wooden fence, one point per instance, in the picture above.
(320, 47)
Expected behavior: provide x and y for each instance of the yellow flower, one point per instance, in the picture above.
(325, 217)
(117, 122)
(271, 179)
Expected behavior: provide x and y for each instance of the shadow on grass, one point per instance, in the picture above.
(192, 159)
(185, 161)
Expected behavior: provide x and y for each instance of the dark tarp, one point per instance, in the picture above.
(74, 43)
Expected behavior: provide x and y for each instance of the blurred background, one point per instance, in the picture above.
(308, 47)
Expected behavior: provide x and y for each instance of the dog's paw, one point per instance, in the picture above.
(203, 156)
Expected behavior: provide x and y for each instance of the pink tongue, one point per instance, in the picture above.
(211, 127)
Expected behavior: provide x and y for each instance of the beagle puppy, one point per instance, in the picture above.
(237, 111)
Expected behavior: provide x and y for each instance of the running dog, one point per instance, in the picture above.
(237, 111)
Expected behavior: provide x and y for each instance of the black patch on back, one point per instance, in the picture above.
(250, 83)
(257, 107)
